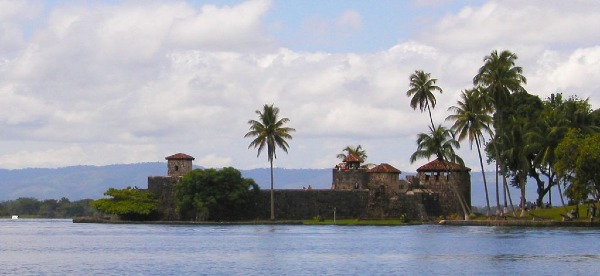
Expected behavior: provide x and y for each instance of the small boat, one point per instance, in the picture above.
(15, 217)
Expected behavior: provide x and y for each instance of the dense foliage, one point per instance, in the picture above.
(527, 135)
(578, 163)
(49, 208)
(128, 204)
(215, 195)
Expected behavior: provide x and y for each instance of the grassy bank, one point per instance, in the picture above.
(356, 222)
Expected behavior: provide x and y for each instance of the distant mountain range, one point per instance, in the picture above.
(81, 182)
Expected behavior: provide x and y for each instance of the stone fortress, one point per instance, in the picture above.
(356, 192)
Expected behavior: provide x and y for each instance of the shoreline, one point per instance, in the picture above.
(179, 222)
(483, 223)
(520, 223)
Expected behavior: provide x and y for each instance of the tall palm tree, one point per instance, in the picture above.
(357, 151)
(499, 77)
(421, 90)
(269, 131)
(441, 142)
(470, 121)
(516, 152)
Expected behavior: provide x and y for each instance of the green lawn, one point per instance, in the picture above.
(382, 222)
(555, 213)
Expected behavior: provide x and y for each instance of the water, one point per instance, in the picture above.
(59, 247)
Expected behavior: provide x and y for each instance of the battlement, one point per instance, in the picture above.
(356, 192)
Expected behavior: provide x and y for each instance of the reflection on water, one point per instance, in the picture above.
(61, 247)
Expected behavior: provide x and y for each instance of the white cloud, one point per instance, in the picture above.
(114, 83)
(518, 25)
(214, 161)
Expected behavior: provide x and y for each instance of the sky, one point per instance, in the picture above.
(111, 82)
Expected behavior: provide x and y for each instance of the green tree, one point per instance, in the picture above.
(212, 194)
(48, 208)
(587, 173)
(357, 151)
(421, 90)
(128, 203)
(499, 77)
(470, 121)
(578, 161)
(269, 131)
(439, 142)
(515, 157)
(547, 128)
(24, 206)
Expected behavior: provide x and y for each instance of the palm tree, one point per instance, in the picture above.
(499, 77)
(471, 120)
(269, 131)
(421, 90)
(516, 152)
(355, 151)
(440, 142)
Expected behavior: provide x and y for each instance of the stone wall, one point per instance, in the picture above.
(376, 203)
(350, 179)
(179, 167)
(446, 185)
(164, 189)
(306, 204)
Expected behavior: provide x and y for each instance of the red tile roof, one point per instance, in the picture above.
(384, 168)
(440, 166)
(179, 156)
(353, 158)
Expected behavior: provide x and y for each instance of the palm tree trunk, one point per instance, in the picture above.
(505, 184)
(550, 173)
(498, 207)
(512, 206)
(487, 198)
(461, 200)
(523, 199)
(504, 187)
(562, 200)
(430, 118)
(272, 197)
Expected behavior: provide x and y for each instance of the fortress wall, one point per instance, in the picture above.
(164, 189)
(353, 204)
(350, 179)
(306, 204)
(376, 203)
(442, 184)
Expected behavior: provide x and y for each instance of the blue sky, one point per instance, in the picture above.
(105, 82)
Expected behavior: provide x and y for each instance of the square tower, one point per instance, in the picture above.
(179, 164)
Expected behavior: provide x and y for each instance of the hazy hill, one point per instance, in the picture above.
(79, 182)
(76, 182)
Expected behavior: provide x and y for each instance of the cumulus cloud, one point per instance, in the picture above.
(123, 82)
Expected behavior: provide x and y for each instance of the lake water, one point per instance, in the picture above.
(60, 247)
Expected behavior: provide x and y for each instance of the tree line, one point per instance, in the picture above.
(48, 208)
(553, 141)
